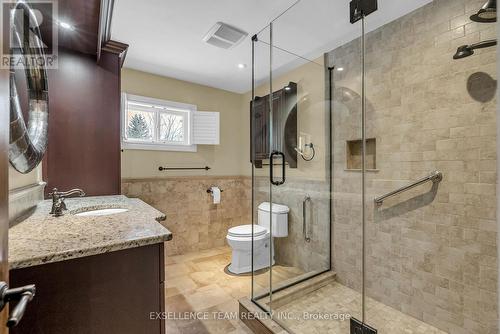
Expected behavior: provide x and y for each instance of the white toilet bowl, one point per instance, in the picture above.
(239, 239)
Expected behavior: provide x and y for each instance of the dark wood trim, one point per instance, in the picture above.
(84, 136)
(118, 48)
(163, 327)
(83, 15)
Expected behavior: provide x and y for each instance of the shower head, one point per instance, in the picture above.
(468, 50)
(487, 14)
(463, 52)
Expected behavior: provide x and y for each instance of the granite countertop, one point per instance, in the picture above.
(41, 238)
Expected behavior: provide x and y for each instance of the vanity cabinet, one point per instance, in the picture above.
(120, 292)
(283, 125)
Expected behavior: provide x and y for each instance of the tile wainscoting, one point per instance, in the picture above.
(294, 250)
(195, 222)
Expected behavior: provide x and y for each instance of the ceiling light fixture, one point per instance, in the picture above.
(66, 25)
(242, 66)
(340, 69)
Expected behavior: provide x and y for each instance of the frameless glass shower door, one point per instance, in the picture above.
(260, 150)
(292, 137)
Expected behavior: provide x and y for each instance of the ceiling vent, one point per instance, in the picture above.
(224, 36)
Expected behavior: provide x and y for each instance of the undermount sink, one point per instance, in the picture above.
(100, 212)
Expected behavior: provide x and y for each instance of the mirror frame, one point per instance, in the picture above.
(27, 144)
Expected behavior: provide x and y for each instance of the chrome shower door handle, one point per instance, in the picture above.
(271, 168)
(304, 218)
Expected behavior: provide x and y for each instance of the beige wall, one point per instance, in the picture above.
(224, 159)
(231, 157)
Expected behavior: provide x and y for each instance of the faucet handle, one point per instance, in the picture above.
(56, 193)
(71, 192)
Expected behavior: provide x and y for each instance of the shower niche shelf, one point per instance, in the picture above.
(354, 151)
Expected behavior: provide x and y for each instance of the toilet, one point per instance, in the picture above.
(239, 239)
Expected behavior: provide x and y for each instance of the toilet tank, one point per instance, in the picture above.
(279, 218)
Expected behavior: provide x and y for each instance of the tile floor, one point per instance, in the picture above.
(196, 282)
(336, 299)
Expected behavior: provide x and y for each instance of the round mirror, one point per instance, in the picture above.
(27, 143)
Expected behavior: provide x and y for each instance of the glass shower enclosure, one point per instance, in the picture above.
(292, 171)
(381, 153)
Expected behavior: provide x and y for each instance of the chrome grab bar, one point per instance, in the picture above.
(304, 218)
(435, 176)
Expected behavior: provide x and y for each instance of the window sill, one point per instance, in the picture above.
(159, 147)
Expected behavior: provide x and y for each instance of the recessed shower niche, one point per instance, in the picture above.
(354, 153)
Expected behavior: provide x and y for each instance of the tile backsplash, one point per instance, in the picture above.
(23, 200)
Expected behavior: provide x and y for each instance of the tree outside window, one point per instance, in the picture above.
(171, 127)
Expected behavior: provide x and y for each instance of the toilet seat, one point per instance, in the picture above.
(245, 231)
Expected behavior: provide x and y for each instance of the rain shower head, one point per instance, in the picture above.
(468, 50)
(487, 14)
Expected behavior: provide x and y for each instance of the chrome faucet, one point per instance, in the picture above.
(58, 205)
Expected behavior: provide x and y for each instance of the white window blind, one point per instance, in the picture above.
(206, 128)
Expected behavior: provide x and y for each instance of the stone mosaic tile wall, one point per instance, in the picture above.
(431, 252)
(294, 250)
(195, 222)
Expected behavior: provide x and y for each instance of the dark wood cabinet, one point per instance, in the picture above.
(119, 292)
(259, 140)
(283, 125)
(84, 125)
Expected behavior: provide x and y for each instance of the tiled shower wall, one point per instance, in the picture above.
(195, 222)
(294, 250)
(431, 252)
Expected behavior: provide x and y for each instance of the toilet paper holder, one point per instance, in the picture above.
(209, 190)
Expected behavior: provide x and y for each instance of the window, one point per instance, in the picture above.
(154, 124)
